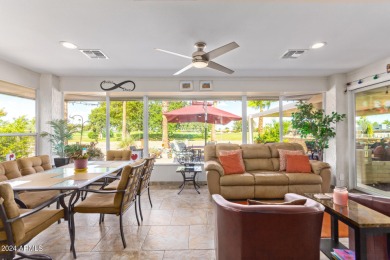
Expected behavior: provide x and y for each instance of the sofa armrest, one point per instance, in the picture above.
(322, 169)
(214, 166)
(318, 166)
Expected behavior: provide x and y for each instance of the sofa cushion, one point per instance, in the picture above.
(255, 151)
(244, 179)
(270, 178)
(303, 178)
(9, 170)
(284, 146)
(259, 165)
(298, 163)
(225, 147)
(231, 161)
(283, 157)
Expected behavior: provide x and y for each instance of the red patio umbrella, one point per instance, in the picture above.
(200, 112)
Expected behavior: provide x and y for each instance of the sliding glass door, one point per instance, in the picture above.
(372, 139)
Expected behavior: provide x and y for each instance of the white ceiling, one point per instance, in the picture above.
(128, 31)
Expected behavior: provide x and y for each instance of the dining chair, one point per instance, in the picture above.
(144, 185)
(115, 202)
(19, 226)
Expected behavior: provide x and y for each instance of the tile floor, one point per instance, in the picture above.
(177, 227)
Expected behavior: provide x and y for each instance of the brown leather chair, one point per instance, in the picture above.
(267, 231)
(377, 245)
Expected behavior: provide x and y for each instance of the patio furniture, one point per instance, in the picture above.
(13, 169)
(268, 231)
(19, 226)
(182, 153)
(118, 155)
(189, 172)
(144, 185)
(114, 202)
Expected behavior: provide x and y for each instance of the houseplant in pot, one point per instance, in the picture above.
(61, 132)
(308, 121)
(80, 158)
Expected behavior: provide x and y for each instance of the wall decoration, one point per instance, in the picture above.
(186, 86)
(110, 85)
(205, 85)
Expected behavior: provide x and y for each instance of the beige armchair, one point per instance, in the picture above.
(118, 155)
(111, 201)
(19, 226)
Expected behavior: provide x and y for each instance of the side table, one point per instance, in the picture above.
(192, 170)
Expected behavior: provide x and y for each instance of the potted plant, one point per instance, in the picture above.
(80, 157)
(309, 121)
(62, 131)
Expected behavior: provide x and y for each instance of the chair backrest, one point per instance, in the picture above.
(380, 204)
(147, 172)
(9, 170)
(129, 182)
(9, 233)
(34, 164)
(266, 231)
(118, 155)
(182, 146)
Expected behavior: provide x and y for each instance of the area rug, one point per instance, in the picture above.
(325, 232)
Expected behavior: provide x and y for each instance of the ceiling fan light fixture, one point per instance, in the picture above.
(200, 64)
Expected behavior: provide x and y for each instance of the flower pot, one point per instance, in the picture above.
(58, 162)
(380, 153)
(80, 164)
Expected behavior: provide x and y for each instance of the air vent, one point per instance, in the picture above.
(293, 54)
(94, 54)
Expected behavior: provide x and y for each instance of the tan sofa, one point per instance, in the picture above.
(262, 178)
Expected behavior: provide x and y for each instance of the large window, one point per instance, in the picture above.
(372, 139)
(183, 132)
(17, 121)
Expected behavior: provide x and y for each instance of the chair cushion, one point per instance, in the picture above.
(118, 155)
(8, 200)
(231, 162)
(283, 157)
(37, 222)
(244, 179)
(303, 178)
(270, 178)
(9, 170)
(112, 186)
(98, 203)
(298, 163)
(33, 199)
(34, 164)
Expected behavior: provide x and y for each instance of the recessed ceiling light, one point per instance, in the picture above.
(68, 45)
(318, 45)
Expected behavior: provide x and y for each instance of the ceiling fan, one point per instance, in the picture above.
(201, 59)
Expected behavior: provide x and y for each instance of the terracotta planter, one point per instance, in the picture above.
(80, 164)
(380, 153)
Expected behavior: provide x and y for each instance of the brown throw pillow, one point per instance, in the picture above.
(293, 202)
(232, 162)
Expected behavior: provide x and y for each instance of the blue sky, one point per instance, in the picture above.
(16, 107)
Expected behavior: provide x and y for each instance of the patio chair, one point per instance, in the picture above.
(115, 202)
(19, 226)
(182, 153)
(144, 185)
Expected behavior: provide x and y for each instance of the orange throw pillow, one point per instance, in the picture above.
(282, 157)
(298, 164)
(231, 162)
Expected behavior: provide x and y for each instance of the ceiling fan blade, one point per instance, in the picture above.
(183, 69)
(174, 53)
(219, 67)
(221, 50)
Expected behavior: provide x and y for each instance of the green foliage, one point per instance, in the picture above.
(75, 151)
(386, 122)
(315, 123)
(93, 135)
(62, 132)
(260, 104)
(271, 132)
(237, 126)
(125, 143)
(22, 146)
